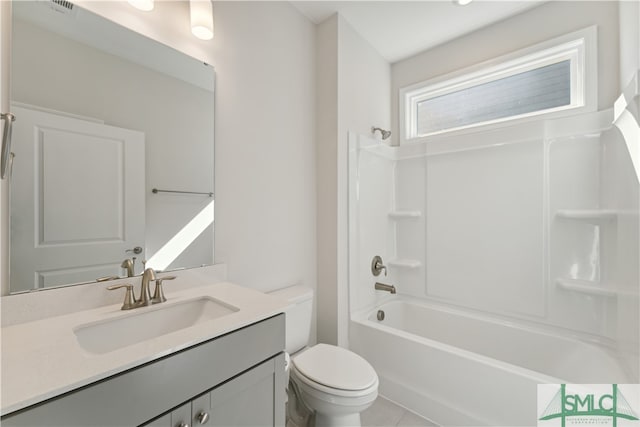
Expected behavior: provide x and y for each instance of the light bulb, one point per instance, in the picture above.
(201, 19)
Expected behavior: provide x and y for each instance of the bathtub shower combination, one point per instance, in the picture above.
(514, 253)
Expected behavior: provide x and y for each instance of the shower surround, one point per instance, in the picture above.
(525, 236)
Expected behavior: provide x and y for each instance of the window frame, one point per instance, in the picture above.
(579, 47)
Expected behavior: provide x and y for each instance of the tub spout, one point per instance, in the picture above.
(382, 287)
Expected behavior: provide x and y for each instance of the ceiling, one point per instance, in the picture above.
(400, 29)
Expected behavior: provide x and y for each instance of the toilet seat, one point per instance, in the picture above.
(328, 393)
(336, 371)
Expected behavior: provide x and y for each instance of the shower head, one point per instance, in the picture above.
(385, 133)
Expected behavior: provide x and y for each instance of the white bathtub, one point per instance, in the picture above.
(458, 369)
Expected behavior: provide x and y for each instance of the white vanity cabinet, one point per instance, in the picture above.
(237, 379)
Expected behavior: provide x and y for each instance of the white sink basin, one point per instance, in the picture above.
(148, 322)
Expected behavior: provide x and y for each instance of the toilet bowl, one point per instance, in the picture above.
(334, 384)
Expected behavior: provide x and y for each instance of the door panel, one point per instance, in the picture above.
(75, 210)
(65, 229)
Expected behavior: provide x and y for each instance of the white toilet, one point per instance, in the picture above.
(334, 383)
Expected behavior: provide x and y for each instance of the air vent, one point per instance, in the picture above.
(63, 3)
(61, 6)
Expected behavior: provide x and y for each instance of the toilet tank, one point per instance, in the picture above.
(297, 316)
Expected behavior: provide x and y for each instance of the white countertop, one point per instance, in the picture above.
(43, 359)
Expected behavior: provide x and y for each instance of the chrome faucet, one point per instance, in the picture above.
(383, 287)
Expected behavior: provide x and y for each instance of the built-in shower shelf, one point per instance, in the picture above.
(405, 214)
(589, 215)
(586, 287)
(404, 263)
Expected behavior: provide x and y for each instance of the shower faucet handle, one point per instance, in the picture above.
(377, 266)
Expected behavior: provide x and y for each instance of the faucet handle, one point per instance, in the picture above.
(158, 294)
(129, 297)
(377, 266)
(107, 278)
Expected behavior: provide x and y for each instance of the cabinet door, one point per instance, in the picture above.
(250, 399)
(201, 410)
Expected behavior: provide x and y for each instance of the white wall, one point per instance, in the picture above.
(327, 178)
(264, 58)
(629, 13)
(552, 19)
(353, 95)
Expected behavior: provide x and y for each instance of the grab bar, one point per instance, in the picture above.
(6, 143)
(156, 191)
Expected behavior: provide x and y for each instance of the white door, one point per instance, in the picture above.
(77, 199)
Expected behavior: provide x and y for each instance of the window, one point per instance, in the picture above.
(548, 78)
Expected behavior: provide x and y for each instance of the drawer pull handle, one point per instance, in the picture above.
(203, 417)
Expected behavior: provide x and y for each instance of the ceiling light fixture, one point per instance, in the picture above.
(462, 2)
(201, 19)
(146, 5)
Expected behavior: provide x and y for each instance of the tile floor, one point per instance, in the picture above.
(384, 413)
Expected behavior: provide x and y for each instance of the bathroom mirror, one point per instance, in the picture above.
(103, 117)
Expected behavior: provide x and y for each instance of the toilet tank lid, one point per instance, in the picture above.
(293, 294)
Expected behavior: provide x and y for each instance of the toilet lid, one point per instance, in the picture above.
(335, 367)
